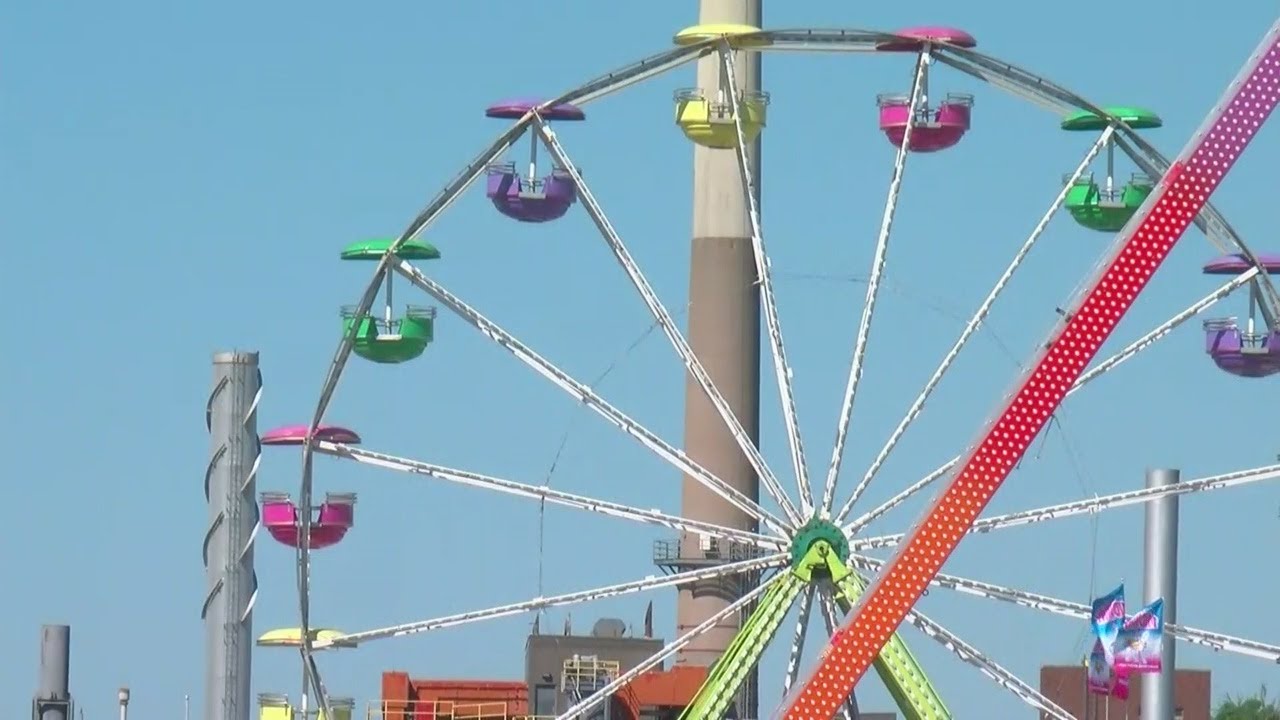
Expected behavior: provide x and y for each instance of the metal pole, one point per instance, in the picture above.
(123, 697)
(53, 689)
(1084, 688)
(230, 489)
(1161, 581)
(724, 332)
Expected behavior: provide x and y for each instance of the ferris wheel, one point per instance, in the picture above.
(808, 545)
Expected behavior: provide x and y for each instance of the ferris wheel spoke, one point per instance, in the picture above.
(972, 656)
(1213, 640)
(540, 603)
(883, 508)
(1095, 505)
(1093, 373)
(312, 671)
(831, 619)
(773, 326)
(971, 327)
(873, 289)
(1164, 328)
(1132, 497)
(600, 696)
(664, 320)
(589, 397)
(797, 640)
(303, 569)
(548, 494)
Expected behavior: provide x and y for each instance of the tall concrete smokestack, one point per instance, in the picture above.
(724, 331)
(53, 689)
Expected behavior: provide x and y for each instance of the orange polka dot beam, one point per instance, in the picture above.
(1141, 247)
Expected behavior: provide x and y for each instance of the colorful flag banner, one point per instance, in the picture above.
(1101, 678)
(1138, 647)
(1099, 671)
(1108, 620)
(1121, 687)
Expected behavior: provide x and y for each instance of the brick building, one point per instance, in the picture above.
(1065, 685)
(560, 670)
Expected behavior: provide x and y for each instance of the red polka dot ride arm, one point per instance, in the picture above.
(1139, 250)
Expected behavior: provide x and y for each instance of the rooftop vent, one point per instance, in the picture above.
(609, 628)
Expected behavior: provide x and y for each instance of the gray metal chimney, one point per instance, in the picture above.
(53, 691)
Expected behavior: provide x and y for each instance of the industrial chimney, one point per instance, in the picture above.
(53, 692)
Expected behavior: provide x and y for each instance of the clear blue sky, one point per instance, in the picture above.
(179, 178)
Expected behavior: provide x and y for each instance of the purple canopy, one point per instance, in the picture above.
(297, 435)
(515, 108)
(1236, 263)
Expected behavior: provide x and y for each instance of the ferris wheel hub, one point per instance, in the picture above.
(814, 531)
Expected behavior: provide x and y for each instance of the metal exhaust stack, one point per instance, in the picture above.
(231, 417)
(53, 691)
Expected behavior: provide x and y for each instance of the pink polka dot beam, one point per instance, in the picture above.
(1141, 247)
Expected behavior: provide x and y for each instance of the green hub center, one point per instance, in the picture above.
(813, 531)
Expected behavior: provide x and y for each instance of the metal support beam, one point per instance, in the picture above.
(1160, 580)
